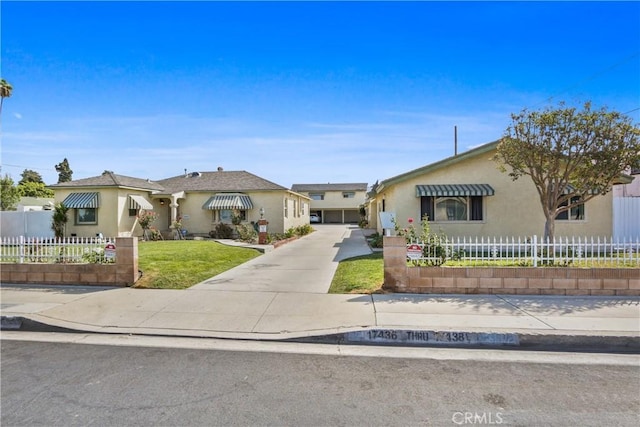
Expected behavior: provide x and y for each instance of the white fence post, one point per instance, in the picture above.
(534, 249)
(21, 247)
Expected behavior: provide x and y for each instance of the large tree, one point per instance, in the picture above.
(29, 175)
(572, 155)
(34, 189)
(32, 185)
(9, 194)
(64, 171)
(5, 91)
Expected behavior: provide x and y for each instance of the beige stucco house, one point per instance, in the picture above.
(335, 203)
(109, 203)
(466, 195)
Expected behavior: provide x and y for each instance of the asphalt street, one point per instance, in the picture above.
(133, 383)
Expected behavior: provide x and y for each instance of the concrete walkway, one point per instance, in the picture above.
(282, 295)
(306, 265)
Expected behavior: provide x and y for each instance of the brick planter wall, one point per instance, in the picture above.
(398, 277)
(124, 272)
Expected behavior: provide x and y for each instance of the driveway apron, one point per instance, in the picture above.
(306, 265)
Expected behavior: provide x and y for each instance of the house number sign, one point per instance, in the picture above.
(413, 337)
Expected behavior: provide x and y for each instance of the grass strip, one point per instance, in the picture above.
(179, 264)
(359, 275)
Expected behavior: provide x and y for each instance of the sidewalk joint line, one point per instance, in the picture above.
(525, 312)
(253, 329)
(375, 311)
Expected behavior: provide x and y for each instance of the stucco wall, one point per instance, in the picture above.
(200, 221)
(334, 200)
(514, 210)
(113, 213)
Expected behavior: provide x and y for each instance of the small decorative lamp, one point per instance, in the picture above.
(261, 213)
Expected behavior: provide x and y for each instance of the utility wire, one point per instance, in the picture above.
(592, 77)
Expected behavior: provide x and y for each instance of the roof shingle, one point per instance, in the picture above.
(218, 181)
(110, 179)
(306, 188)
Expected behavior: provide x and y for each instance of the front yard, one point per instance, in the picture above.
(179, 264)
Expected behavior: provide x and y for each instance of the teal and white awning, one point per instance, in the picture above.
(82, 201)
(228, 201)
(139, 202)
(454, 190)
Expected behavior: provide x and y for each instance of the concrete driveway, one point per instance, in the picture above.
(306, 265)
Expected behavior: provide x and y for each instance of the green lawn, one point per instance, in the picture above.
(359, 275)
(179, 264)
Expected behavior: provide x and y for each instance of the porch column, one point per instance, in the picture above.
(174, 208)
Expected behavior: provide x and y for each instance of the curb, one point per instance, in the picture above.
(405, 338)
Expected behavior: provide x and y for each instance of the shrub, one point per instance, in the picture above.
(433, 245)
(96, 256)
(247, 233)
(222, 231)
(303, 230)
(375, 240)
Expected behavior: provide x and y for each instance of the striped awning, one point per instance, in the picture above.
(139, 202)
(228, 201)
(82, 200)
(454, 190)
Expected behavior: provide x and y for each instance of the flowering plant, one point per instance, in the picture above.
(434, 251)
(411, 233)
(145, 218)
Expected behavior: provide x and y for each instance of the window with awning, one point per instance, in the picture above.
(220, 202)
(85, 205)
(453, 202)
(82, 201)
(139, 202)
(454, 190)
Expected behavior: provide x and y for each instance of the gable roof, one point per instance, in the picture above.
(483, 149)
(218, 181)
(359, 186)
(110, 179)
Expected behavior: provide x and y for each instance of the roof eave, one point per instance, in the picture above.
(437, 165)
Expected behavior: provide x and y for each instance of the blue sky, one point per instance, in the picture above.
(295, 92)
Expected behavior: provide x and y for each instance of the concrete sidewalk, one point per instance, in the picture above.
(282, 295)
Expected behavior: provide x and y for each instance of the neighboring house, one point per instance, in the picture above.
(335, 203)
(26, 204)
(626, 208)
(466, 195)
(109, 203)
(629, 190)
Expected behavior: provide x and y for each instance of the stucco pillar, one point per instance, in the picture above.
(126, 261)
(395, 262)
(174, 208)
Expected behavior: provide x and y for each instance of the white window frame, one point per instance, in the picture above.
(81, 222)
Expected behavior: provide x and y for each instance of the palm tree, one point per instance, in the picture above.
(5, 91)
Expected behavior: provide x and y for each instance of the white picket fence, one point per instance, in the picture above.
(50, 250)
(529, 251)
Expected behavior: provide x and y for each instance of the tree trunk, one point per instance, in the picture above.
(549, 229)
